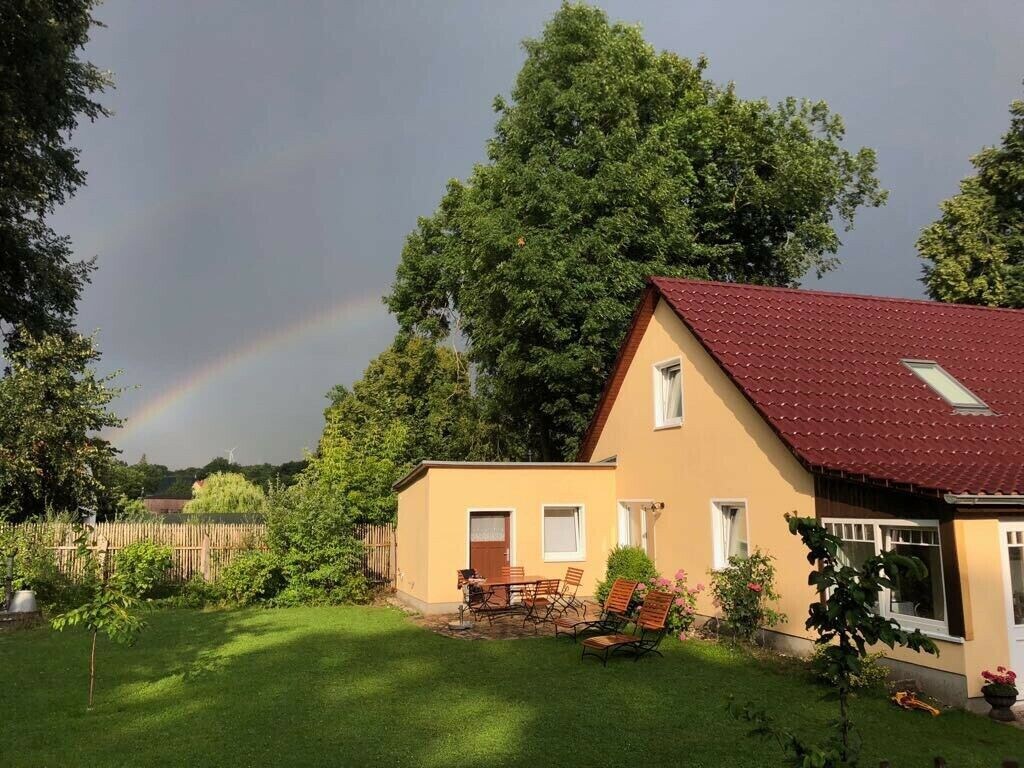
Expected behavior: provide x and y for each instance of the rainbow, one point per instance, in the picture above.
(361, 310)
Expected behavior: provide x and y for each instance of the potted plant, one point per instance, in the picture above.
(1000, 692)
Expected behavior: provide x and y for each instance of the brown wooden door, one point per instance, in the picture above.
(489, 541)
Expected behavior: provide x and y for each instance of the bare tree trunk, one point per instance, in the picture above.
(92, 668)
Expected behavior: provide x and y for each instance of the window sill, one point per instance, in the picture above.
(572, 557)
(669, 425)
(935, 634)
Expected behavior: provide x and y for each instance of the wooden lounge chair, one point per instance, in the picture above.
(566, 599)
(614, 616)
(539, 601)
(648, 632)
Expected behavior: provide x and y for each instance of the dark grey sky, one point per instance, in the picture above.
(266, 161)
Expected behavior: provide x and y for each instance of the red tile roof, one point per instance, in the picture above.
(824, 370)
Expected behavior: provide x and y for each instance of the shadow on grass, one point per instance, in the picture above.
(363, 686)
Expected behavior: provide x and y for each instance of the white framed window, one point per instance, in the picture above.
(946, 386)
(668, 394)
(729, 531)
(563, 533)
(915, 602)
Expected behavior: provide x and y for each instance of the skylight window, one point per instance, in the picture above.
(945, 386)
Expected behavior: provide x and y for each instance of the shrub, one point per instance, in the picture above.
(626, 563)
(251, 577)
(141, 566)
(683, 611)
(872, 674)
(743, 592)
(35, 568)
(314, 541)
(225, 493)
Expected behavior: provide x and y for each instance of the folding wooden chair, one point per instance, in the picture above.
(513, 572)
(479, 600)
(566, 599)
(539, 601)
(648, 632)
(614, 616)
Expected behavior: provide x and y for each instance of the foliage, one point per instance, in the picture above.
(35, 568)
(1002, 682)
(414, 402)
(626, 563)
(682, 614)
(52, 405)
(315, 542)
(873, 674)
(141, 566)
(225, 493)
(609, 163)
(108, 610)
(45, 90)
(845, 621)
(133, 511)
(974, 252)
(743, 591)
(251, 577)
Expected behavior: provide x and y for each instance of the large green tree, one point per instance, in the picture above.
(609, 163)
(53, 407)
(224, 493)
(45, 90)
(974, 252)
(413, 402)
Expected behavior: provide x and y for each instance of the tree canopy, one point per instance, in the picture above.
(974, 252)
(52, 408)
(225, 493)
(609, 163)
(45, 90)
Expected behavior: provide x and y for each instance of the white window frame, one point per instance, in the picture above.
(660, 422)
(932, 627)
(581, 534)
(976, 406)
(719, 557)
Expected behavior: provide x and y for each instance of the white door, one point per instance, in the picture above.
(1013, 579)
(636, 525)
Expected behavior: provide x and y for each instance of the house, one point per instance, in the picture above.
(897, 423)
(163, 505)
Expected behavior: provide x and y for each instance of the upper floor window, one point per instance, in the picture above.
(668, 394)
(945, 386)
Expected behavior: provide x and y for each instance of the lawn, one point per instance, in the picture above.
(364, 686)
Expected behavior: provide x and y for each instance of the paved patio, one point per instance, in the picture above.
(506, 627)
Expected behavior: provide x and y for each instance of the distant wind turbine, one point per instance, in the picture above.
(231, 454)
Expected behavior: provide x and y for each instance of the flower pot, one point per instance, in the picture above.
(23, 601)
(1001, 704)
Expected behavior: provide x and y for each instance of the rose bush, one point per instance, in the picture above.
(684, 601)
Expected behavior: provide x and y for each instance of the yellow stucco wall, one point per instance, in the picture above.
(979, 547)
(723, 450)
(523, 490)
(411, 535)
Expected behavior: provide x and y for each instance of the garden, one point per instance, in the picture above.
(251, 670)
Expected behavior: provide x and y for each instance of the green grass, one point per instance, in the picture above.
(364, 686)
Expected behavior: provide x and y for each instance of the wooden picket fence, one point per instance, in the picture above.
(198, 548)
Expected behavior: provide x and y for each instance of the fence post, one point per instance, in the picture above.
(204, 557)
(393, 564)
(103, 550)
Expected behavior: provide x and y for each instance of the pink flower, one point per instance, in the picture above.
(754, 587)
(682, 635)
(680, 575)
(641, 587)
(680, 602)
(699, 588)
(663, 582)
